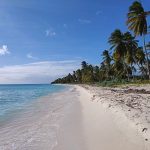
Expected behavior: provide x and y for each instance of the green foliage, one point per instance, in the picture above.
(122, 82)
(124, 59)
(137, 22)
(137, 19)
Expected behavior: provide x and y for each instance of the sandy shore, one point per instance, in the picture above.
(101, 128)
(132, 102)
(80, 118)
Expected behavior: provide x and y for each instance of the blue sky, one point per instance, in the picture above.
(58, 33)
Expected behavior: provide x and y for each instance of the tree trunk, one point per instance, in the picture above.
(125, 65)
(132, 72)
(147, 59)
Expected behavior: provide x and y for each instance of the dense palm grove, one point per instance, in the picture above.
(125, 59)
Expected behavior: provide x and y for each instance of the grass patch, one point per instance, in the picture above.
(119, 83)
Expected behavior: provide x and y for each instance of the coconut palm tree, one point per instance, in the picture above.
(131, 47)
(107, 62)
(116, 41)
(118, 44)
(96, 72)
(137, 19)
(79, 76)
(138, 24)
(74, 76)
(106, 57)
(84, 64)
(140, 56)
(102, 72)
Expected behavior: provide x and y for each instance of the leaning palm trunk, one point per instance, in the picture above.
(147, 59)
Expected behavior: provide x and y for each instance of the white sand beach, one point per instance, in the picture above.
(101, 128)
(75, 119)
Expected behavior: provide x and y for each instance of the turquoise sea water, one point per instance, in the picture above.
(17, 97)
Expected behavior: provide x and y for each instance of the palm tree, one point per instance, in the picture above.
(107, 61)
(118, 43)
(74, 76)
(106, 57)
(88, 74)
(140, 61)
(118, 68)
(102, 72)
(143, 71)
(140, 56)
(84, 64)
(84, 70)
(137, 19)
(79, 76)
(138, 24)
(96, 72)
(131, 48)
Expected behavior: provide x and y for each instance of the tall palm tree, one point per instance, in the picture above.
(118, 68)
(91, 73)
(96, 71)
(119, 45)
(79, 76)
(84, 64)
(107, 61)
(137, 19)
(116, 41)
(74, 76)
(102, 72)
(140, 56)
(140, 61)
(131, 45)
(131, 48)
(138, 24)
(106, 57)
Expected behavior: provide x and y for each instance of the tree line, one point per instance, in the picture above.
(125, 59)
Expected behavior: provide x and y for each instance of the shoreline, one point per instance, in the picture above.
(36, 126)
(74, 119)
(13, 107)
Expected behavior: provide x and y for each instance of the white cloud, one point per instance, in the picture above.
(50, 33)
(4, 50)
(29, 55)
(84, 21)
(38, 72)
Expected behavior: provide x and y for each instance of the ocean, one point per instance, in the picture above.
(14, 98)
(31, 115)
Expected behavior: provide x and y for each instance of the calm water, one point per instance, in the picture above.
(16, 97)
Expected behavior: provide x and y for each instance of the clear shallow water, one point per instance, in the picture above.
(36, 126)
(17, 97)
